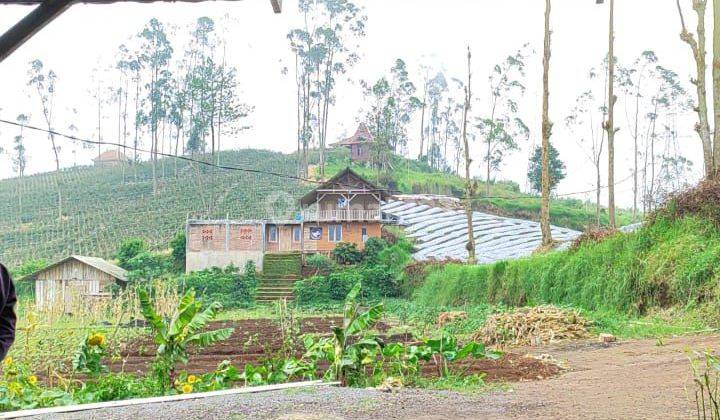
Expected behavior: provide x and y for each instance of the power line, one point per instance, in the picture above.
(260, 171)
(181, 157)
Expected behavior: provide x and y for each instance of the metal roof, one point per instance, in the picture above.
(98, 263)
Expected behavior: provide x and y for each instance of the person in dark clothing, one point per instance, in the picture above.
(7, 312)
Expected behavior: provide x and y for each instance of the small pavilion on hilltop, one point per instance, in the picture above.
(359, 144)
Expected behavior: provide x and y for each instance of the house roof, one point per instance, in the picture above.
(362, 135)
(345, 180)
(98, 263)
(111, 155)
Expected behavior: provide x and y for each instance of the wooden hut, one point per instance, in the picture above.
(75, 277)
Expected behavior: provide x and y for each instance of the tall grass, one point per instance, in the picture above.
(668, 263)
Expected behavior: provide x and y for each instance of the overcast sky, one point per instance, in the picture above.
(430, 32)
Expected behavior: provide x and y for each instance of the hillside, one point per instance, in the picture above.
(670, 262)
(103, 205)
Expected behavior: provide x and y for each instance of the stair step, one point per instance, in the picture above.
(288, 290)
(274, 293)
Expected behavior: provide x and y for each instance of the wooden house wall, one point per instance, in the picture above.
(70, 280)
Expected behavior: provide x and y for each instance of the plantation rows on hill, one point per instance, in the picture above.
(100, 206)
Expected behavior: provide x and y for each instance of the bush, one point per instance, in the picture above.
(148, 266)
(129, 249)
(178, 245)
(397, 256)
(26, 288)
(378, 282)
(321, 289)
(373, 247)
(226, 286)
(320, 263)
(347, 253)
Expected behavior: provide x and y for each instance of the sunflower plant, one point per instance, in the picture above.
(175, 333)
(88, 358)
(21, 390)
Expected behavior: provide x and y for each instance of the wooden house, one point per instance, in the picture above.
(75, 277)
(346, 208)
(359, 144)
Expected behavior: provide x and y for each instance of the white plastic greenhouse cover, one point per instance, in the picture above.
(442, 233)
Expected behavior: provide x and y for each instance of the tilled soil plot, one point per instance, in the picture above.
(627, 380)
(256, 340)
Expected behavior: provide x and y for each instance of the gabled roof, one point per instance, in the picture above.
(345, 180)
(98, 263)
(362, 135)
(111, 155)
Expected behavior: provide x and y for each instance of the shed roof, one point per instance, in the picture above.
(98, 263)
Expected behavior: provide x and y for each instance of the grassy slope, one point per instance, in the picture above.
(102, 206)
(666, 264)
(506, 199)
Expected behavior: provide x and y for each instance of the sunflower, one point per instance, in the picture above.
(192, 379)
(96, 339)
(32, 379)
(187, 388)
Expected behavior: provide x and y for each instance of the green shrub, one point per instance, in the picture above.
(148, 266)
(378, 282)
(323, 289)
(226, 286)
(129, 249)
(320, 263)
(178, 245)
(664, 264)
(397, 256)
(26, 288)
(347, 253)
(373, 247)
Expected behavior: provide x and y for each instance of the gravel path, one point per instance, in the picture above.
(636, 379)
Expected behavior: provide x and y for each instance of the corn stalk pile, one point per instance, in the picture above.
(532, 326)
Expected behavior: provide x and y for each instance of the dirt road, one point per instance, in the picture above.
(630, 380)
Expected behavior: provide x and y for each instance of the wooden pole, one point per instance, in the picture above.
(30, 25)
(546, 133)
(610, 124)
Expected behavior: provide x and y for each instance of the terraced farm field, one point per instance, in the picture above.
(99, 207)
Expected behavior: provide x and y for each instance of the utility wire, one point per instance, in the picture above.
(185, 158)
(260, 171)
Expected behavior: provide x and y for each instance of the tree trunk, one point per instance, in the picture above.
(422, 124)
(469, 188)
(546, 133)
(698, 50)
(610, 124)
(716, 86)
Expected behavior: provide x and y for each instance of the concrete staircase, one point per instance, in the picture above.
(280, 272)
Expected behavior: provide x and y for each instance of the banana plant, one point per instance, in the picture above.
(446, 348)
(338, 350)
(174, 334)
